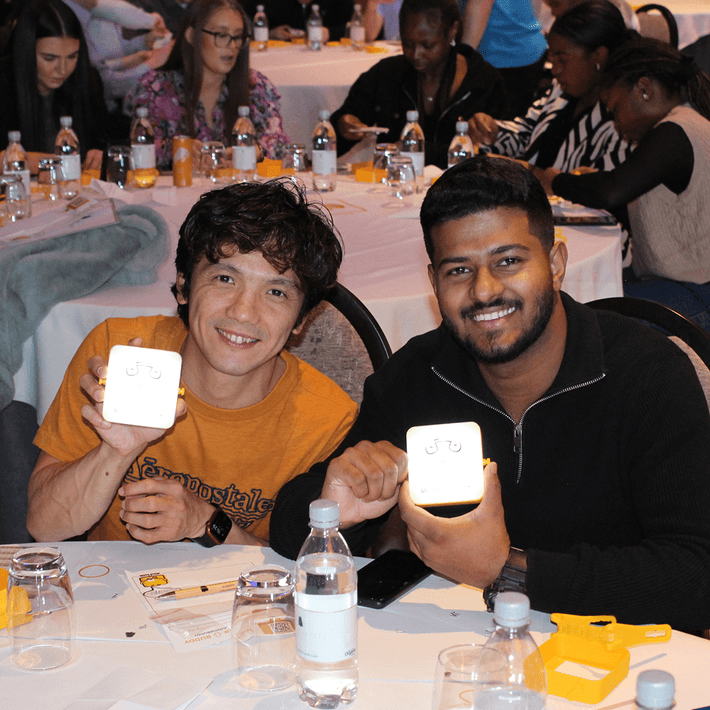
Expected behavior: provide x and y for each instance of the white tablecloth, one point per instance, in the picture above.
(397, 646)
(384, 265)
(311, 81)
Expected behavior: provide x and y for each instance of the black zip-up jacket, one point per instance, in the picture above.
(605, 480)
(383, 95)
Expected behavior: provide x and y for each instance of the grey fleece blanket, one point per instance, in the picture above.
(36, 275)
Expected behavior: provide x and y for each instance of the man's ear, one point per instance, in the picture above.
(179, 286)
(432, 276)
(558, 264)
(190, 35)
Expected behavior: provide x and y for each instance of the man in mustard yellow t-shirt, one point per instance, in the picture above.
(252, 260)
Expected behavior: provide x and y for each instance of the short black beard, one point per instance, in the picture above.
(496, 355)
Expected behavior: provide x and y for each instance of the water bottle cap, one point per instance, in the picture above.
(655, 689)
(14, 136)
(243, 111)
(324, 513)
(461, 126)
(412, 116)
(260, 8)
(315, 7)
(65, 121)
(323, 114)
(511, 609)
(357, 7)
(142, 112)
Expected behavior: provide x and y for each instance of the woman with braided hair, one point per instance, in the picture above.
(660, 100)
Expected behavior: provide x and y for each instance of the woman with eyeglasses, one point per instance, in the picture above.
(206, 78)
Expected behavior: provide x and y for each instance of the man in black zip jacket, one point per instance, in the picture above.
(597, 499)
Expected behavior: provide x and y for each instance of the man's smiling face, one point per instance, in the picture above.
(494, 281)
(242, 311)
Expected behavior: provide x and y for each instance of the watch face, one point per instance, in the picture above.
(220, 526)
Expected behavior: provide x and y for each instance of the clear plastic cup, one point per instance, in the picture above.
(40, 609)
(263, 629)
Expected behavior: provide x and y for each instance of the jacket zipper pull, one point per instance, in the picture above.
(517, 440)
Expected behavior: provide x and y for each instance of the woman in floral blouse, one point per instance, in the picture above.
(205, 80)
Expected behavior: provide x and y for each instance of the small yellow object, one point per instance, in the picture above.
(345, 41)
(24, 606)
(603, 647)
(373, 49)
(269, 168)
(88, 175)
(333, 44)
(276, 44)
(370, 175)
(559, 237)
(298, 40)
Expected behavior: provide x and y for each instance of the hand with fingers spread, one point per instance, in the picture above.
(162, 510)
(471, 548)
(365, 480)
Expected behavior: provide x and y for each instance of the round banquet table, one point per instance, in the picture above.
(310, 81)
(384, 264)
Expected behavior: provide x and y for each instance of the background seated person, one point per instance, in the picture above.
(443, 80)
(597, 425)
(568, 127)
(47, 75)
(205, 80)
(285, 16)
(660, 101)
(252, 260)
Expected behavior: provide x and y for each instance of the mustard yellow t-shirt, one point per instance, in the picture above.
(237, 459)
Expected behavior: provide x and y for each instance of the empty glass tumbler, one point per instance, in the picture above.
(213, 163)
(49, 176)
(40, 609)
(401, 178)
(263, 629)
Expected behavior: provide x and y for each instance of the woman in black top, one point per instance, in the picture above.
(443, 80)
(47, 75)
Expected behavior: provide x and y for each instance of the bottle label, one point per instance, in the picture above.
(261, 34)
(143, 156)
(315, 34)
(357, 34)
(326, 627)
(71, 165)
(244, 157)
(417, 162)
(324, 162)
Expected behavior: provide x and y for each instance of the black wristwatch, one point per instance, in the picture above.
(216, 530)
(512, 577)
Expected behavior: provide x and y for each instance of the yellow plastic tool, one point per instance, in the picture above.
(600, 647)
(24, 607)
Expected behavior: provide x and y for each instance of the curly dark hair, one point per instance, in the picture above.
(485, 183)
(273, 218)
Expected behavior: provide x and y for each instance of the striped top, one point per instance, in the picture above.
(589, 139)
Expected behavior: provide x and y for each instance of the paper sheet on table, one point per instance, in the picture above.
(194, 622)
(134, 689)
(94, 212)
(163, 195)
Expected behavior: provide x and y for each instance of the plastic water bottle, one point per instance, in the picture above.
(143, 149)
(324, 154)
(357, 30)
(511, 672)
(461, 147)
(261, 30)
(315, 29)
(655, 690)
(411, 145)
(15, 163)
(67, 147)
(326, 612)
(244, 147)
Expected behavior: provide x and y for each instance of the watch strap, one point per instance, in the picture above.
(216, 530)
(512, 578)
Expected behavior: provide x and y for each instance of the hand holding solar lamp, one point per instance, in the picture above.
(142, 387)
(445, 465)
